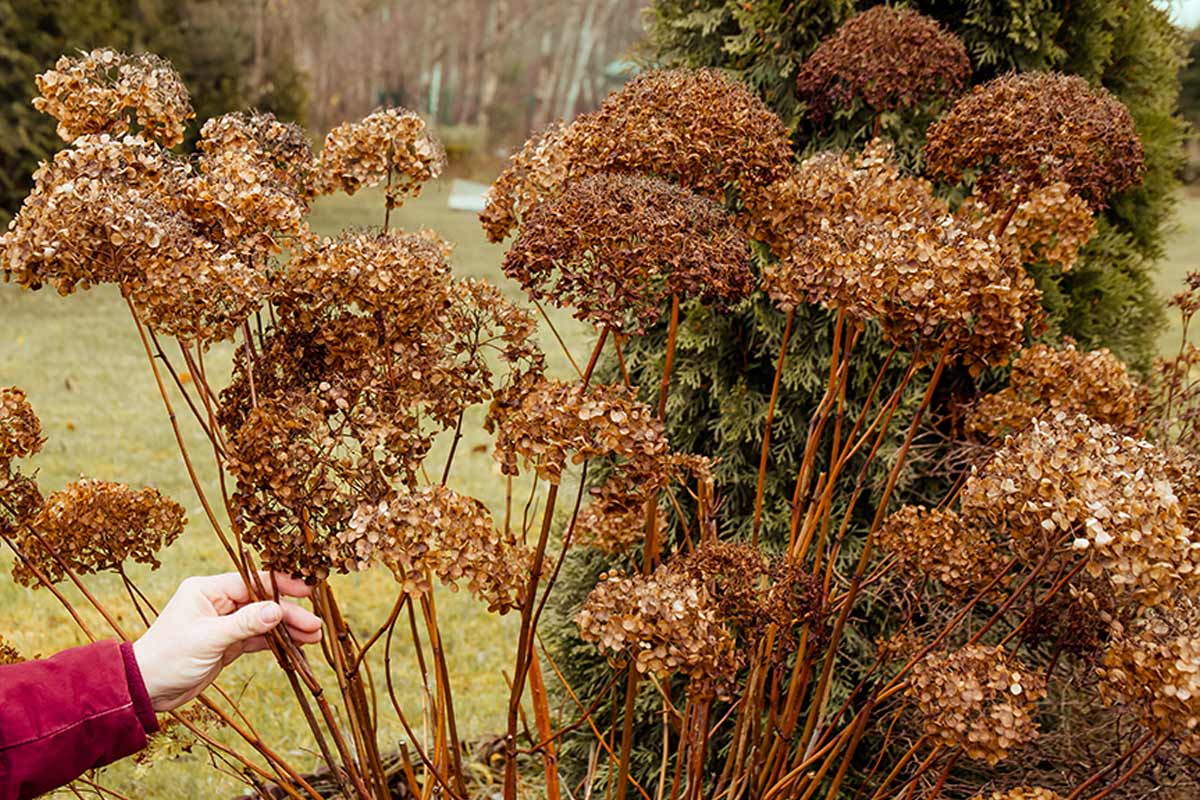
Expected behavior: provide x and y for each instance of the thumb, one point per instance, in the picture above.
(251, 620)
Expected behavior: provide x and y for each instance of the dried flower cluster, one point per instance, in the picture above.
(979, 699)
(554, 423)
(20, 428)
(1021, 793)
(614, 247)
(1153, 665)
(1028, 130)
(665, 622)
(889, 58)
(941, 545)
(375, 350)
(95, 526)
(1071, 484)
(435, 531)
(1047, 380)
(104, 91)
(392, 146)
(695, 127)
(8, 653)
(853, 233)
(1051, 225)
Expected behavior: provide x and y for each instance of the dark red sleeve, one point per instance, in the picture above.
(62, 716)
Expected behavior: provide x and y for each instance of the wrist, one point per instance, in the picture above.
(139, 692)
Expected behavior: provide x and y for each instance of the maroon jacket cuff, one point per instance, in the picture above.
(137, 690)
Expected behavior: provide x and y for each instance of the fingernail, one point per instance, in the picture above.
(271, 613)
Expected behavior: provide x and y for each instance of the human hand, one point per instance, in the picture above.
(209, 623)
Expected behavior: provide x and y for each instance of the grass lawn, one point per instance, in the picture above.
(1183, 256)
(81, 362)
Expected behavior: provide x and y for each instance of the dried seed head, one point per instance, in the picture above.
(8, 653)
(888, 58)
(665, 622)
(436, 532)
(1153, 665)
(1050, 225)
(554, 423)
(615, 247)
(95, 526)
(979, 699)
(695, 127)
(20, 428)
(853, 233)
(1025, 131)
(392, 146)
(1021, 793)
(1045, 381)
(939, 544)
(1069, 486)
(104, 91)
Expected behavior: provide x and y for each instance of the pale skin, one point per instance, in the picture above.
(207, 625)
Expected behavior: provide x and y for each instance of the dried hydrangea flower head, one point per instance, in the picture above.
(888, 58)
(1068, 484)
(101, 211)
(615, 247)
(979, 699)
(1153, 665)
(1021, 793)
(939, 544)
(436, 532)
(104, 91)
(1046, 380)
(665, 622)
(1025, 131)
(391, 146)
(1049, 226)
(254, 179)
(96, 526)
(20, 428)
(695, 127)
(853, 233)
(554, 423)
(8, 653)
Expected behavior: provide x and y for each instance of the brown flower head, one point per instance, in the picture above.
(436, 532)
(1069, 484)
(1021, 793)
(665, 622)
(20, 428)
(939, 544)
(979, 699)
(1049, 227)
(853, 233)
(95, 526)
(254, 180)
(615, 247)
(1153, 665)
(695, 127)
(887, 58)
(102, 211)
(554, 423)
(392, 146)
(1046, 380)
(106, 92)
(1025, 131)
(8, 653)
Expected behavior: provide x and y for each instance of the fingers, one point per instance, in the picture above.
(249, 621)
(301, 619)
(257, 643)
(230, 586)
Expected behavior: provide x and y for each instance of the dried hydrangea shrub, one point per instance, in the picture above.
(1069, 484)
(941, 545)
(1049, 227)
(695, 127)
(253, 182)
(104, 91)
(1153, 665)
(554, 423)
(1021, 793)
(96, 526)
(20, 428)
(101, 211)
(174, 738)
(1046, 380)
(1025, 131)
(853, 233)
(614, 521)
(615, 247)
(392, 146)
(889, 59)
(436, 532)
(8, 653)
(977, 698)
(665, 622)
